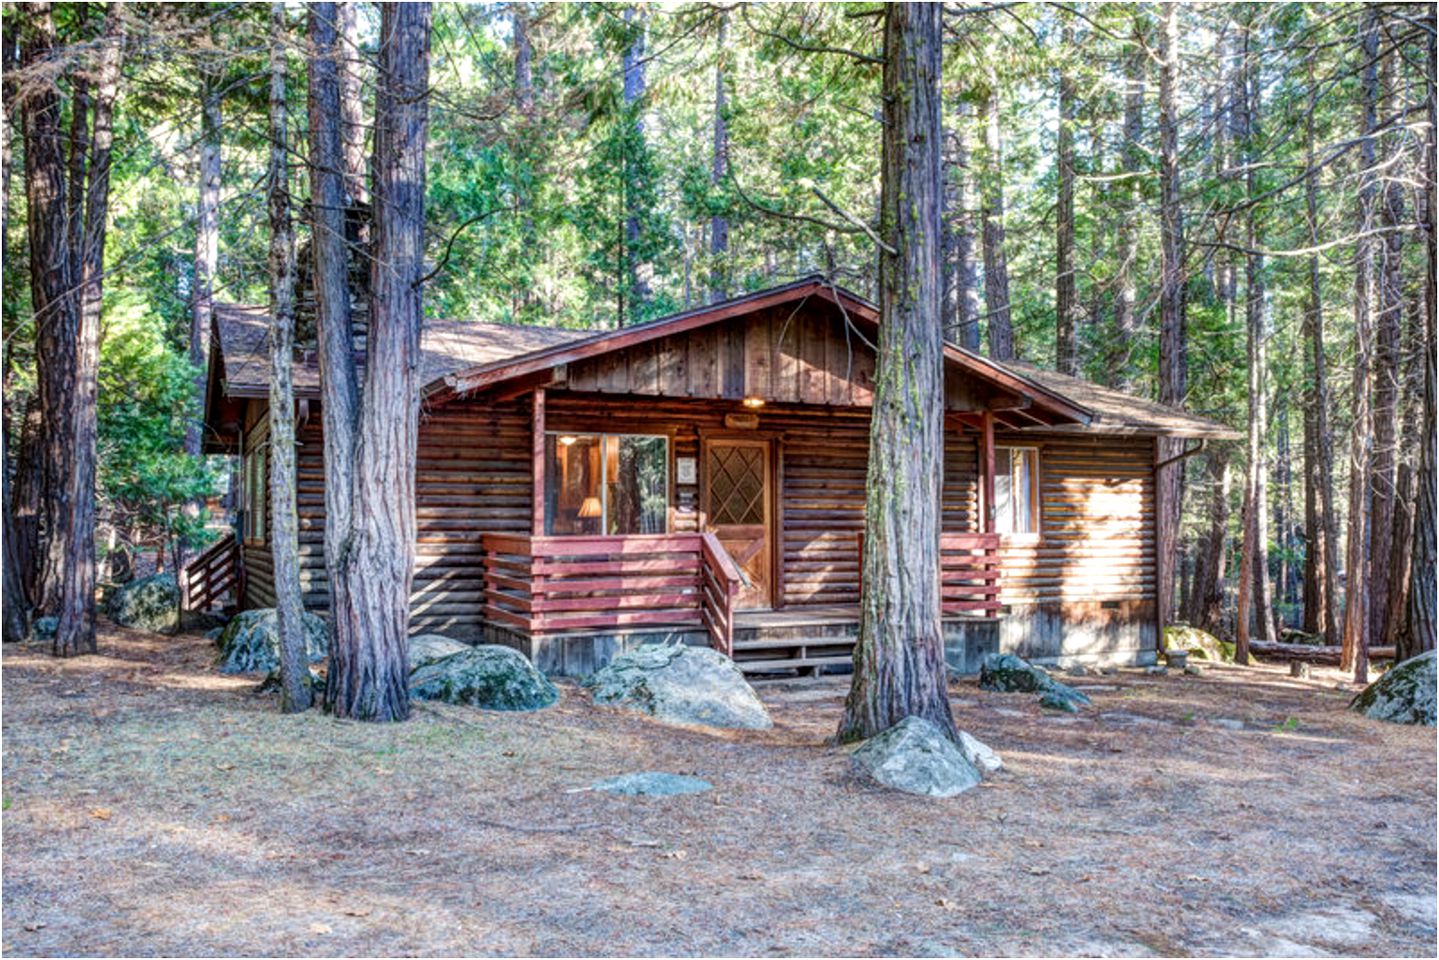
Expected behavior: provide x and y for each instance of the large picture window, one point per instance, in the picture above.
(1016, 490)
(606, 484)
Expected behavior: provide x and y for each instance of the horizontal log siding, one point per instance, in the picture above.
(472, 477)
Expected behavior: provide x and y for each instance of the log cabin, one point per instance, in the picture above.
(701, 478)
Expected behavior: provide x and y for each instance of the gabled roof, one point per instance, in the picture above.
(857, 309)
(460, 357)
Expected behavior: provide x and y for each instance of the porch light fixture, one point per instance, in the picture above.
(568, 441)
(753, 403)
(590, 508)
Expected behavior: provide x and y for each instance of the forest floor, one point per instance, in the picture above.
(152, 806)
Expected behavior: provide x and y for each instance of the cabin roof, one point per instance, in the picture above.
(461, 356)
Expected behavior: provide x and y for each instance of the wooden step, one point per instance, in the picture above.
(772, 666)
(744, 646)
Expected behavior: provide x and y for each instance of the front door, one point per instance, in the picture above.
(737, 511)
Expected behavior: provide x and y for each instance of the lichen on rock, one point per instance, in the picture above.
(915, 756)
(1199, 644)
(489, 676)
(151, 603)
(680, 684)
(1404, 694)
(250, 642)
(1007, 673)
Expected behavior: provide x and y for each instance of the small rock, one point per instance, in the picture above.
(1298, 668)
(1404, 694)
(979, 754)
(675, 683)
(1006, 672)
(1157, 670)
(1200, 645)
(45, 628)
(250, 643)
(914, 756)
(489, 676)
(152, 603)
(1227, 723)
(1194, 669)
(652, 783)
(1078, 670)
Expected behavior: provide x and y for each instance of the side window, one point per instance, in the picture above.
(256, 480)
(1016, 490)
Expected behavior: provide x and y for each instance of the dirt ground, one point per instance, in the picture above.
(152, 806)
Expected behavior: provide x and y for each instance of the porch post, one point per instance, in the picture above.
(537, 451)
(986, 471)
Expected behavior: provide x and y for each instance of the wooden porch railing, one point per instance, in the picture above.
(206, 578)
(969, 572)
(545, 585)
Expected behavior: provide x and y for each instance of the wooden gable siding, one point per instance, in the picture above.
(799, 354)
(472, 477)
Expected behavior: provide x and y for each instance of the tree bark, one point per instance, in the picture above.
(524, 60)
(207, 247)
(1126, 321)
(1321, 531)
(1355, 647)
(369, 672)
(967, 307)
(719, 171)
(1206, 608)
(55, 304)
(75, 632)
(899, 668)
(1172, 361)
(1066, 300)
(295, 693)
(339, 385)
(15, 605)
(637, 272)
(996, 269)
(352, 107)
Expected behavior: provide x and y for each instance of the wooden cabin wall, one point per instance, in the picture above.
(1087, 584)
(473, 477)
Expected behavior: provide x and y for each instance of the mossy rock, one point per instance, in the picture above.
(45, 628)
(490, 677)
(680, 684)
(1200, 645)
(1007, 673)
(150, 604)
(429, 647)
(250, 642)
(1404, 694)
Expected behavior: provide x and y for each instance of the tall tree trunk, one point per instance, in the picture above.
(339, 386)
(637, 271)
(961, 224)
(207, 246)
(1354, 651)
(1206, 608)
(75, 633)
(1321, 531)
(295, 693)
(352, 107)
(1421, 615)
(1401, 542)
(1388, 326)
(55, 304)
(996, 269)
(1172, 362)
(1126, 321)
(524, 60)
(15, 605)
(899, 668)
(719, 171)
(1066, 300)
(369, 657)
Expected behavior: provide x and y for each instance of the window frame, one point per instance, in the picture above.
(1027, 450)
(255, 476)
(603, 436)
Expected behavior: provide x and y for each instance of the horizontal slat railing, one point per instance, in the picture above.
(207, 578)
(546, 585)
(969, 573)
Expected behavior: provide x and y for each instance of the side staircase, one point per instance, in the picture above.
(770, 646)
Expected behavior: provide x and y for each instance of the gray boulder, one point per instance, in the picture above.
(429, 647)
(977, 753)
(915, 756)
(651, 783)
(682, 685)
(490, 677)
(250, 642)
(1007, 673)
(149, 604)
(1404, 694)
(45, 628)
